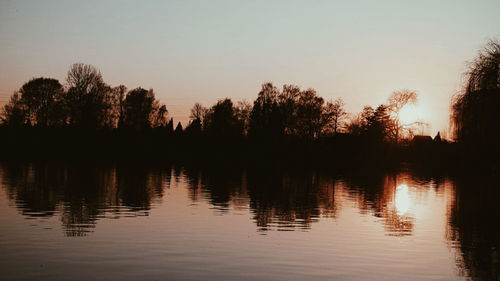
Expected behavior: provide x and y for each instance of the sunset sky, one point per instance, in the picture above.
(200, 51)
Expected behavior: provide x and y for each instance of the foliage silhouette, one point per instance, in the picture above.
(475, 115)
(14, 113)
(266, 119)
(141, 110)
(222, 120)
(178, 128)
(43, 101)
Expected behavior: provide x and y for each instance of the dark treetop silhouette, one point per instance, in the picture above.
(475, 111)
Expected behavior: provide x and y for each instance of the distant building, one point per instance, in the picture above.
(437, 138)
(421, 140)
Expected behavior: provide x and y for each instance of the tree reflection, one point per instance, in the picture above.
(35, 192)
(280, 200)
(474, 219)
(224, 189)
(82, 194)
(277, 200)
(385, 196)
(286, 201)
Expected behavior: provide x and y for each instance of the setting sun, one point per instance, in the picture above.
(410, 114)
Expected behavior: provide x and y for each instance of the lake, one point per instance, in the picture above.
(115, 222)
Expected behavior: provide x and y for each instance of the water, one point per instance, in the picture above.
(68, 222)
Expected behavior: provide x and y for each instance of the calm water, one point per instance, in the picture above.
(116, 223)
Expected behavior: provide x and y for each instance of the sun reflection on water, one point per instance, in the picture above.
(402, 199)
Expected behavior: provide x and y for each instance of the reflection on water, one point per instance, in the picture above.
(82, 195)
(441, 212)
(474, 225)
(402, 200)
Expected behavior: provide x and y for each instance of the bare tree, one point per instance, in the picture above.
(334, 115)
(198, 112)
(197, 116)
(88, 97)
(396, 102)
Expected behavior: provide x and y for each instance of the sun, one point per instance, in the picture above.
(410, 114)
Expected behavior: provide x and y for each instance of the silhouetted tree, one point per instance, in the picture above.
(142, 110)
(289, 112)
(178, 128)
(43, 100)
(198, 113)
(89, 99)
(360, 123)
(14, 113)
(243, 110)
(170, 126)
(288, 101)
(119, 93)
(475, 111)
(396, 102)
(354, 126)
(266, 116)
(222, 119)
(379, 124)
(372, 123)
(160, 117)
(309, 113)
(334, 116)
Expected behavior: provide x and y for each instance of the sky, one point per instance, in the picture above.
(202, 51)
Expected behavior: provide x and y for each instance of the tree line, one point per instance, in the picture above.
(87, 102)
(301, 113)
